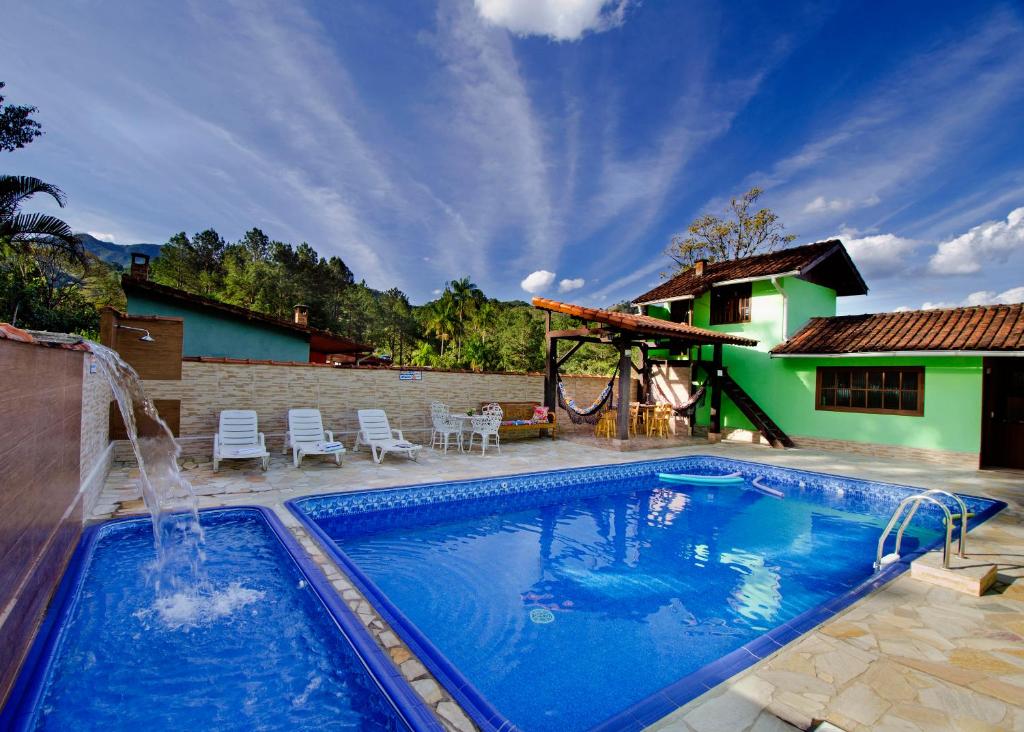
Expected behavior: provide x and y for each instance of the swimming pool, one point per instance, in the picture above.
(270, 647)
(603, 598)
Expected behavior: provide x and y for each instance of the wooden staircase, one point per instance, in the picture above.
(757, 416)
(746, 404)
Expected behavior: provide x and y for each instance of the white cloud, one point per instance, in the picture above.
(102, 236)
(988, 297)
(838, 205)
(991, 242)
(981, 297)
(537, 281)
(562, 20)
(568, 285)
(878, 255)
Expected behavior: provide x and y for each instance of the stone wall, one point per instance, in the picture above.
(96, 449)
(894, 452)
(206, 388)
(40, 476)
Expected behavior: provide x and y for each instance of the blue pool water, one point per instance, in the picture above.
(565, 605)
(261, 652)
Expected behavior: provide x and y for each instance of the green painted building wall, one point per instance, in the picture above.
(210, 333)
(785, 387)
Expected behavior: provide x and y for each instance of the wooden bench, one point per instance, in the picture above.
(523, 411)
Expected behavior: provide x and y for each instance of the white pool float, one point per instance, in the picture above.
(702, 479)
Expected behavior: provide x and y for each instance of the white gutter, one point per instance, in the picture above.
(740, 281)
(785, 306)
(891, 354)
(663, 300)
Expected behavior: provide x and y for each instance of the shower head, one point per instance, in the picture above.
(146, 337)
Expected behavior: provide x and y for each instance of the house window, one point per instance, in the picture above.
(874, 389)
(681, 311)
(730, 304)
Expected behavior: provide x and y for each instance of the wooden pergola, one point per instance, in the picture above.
(624, 331)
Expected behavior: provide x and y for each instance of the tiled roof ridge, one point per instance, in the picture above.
(718, 264)
(969, 328)
(640, 324)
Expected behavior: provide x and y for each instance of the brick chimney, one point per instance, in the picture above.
(698, 267)
(140, 266)
(302, 315)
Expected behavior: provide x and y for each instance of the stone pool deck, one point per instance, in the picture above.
(910, 656)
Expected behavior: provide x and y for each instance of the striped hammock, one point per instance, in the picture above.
(591, 414)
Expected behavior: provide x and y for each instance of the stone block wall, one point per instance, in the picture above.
(206, 388)
(96, 450)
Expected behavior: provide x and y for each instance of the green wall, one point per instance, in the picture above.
(210, 333)
(784, 387)
(952, 404)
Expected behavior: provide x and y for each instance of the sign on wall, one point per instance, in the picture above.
(410, 376)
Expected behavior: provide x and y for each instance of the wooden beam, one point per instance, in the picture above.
(625, 380)
(567, 356)
(716, 393)
(645, 373)
(572, 333)
(551, 375)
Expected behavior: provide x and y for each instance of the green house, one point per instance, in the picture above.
(945, 384)
(214, 329)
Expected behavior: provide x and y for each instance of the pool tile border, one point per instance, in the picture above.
(23, 701)
(555, 483)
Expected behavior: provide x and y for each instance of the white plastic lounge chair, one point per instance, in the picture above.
(444, 427)
(307, 436)
(486, 425)
(239, 438)
(376, 433)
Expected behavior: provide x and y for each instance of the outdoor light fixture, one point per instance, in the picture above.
(145, 333)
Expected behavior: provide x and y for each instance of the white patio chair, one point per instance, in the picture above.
(376, 433)
(307, 436)
(444, 427)
(486, 425)
(239, 438)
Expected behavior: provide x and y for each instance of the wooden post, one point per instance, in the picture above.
(551, 374)
(645, 369)
(625, 380)
(715, 429)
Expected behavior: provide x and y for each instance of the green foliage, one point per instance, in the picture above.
(17, 128)
(24, 231)
(43, 289)
(740, 234)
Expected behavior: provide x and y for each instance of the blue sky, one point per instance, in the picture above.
(424, 141)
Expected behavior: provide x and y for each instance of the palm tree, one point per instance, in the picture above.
(465, 297)
(23, 231)
(440, 319)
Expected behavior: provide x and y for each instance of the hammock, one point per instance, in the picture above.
(590, 415)
(687, 408)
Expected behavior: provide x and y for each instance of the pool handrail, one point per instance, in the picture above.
(914, 500)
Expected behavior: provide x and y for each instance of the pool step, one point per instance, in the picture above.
(970, 576)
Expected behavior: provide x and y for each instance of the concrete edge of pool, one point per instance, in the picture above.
(21, 708)
(670, 698)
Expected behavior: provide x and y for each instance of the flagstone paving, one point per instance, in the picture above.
(908, 657)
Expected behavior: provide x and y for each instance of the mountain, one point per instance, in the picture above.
(116, 254)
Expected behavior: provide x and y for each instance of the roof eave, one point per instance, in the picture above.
(899, 354)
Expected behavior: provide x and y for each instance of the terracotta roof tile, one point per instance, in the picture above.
(641, 324)
(846, 280)
(982, 328)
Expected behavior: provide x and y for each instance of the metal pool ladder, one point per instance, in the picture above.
(914, 502)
